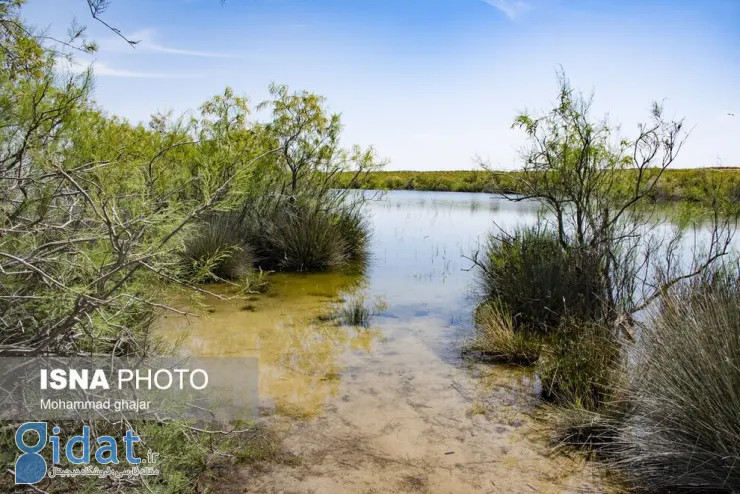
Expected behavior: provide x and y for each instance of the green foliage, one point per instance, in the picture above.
(545, 304)
(305, 235)
(455, 181)
(256, 281)
(98, 216)
(577, 369)
(579, 277)
(693, 185)
(353, 228)
(292, 213)
(93, 207)
(289, 211)
(538, 280)
(309, 157)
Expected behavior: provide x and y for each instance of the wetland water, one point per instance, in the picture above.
(391, 407)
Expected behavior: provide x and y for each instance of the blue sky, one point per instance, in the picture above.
(430, 83)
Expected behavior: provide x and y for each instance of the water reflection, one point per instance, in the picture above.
(420, 244)
(418, 268)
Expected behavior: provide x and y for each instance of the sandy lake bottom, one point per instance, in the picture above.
(391, 407)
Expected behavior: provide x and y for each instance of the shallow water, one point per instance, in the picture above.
(391, 407)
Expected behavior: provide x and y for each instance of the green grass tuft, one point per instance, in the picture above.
(358, 310)
(579, 364)
(495, 338)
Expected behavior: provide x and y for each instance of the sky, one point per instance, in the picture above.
(431, 84)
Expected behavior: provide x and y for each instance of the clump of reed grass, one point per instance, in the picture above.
(307, 235)
(218, 250)
(545, 303)
(539, 279)
(496, 339)
(303, 235)
(580, 364)
(682, 428)
(577, 429)
(354, 230)
(302, 238)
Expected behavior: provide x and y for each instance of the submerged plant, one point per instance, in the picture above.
(358, 310)
(256, 281)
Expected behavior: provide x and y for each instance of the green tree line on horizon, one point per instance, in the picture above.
(688, 184)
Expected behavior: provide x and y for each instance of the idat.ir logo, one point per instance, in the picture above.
(32, 437)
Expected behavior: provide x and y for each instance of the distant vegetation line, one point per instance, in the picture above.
(690, 184)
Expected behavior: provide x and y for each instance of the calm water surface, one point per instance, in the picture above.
(391, 407)
(420, 244)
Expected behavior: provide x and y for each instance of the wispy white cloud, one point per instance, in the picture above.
(147, 43)
(103, 70)
(511, 8)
